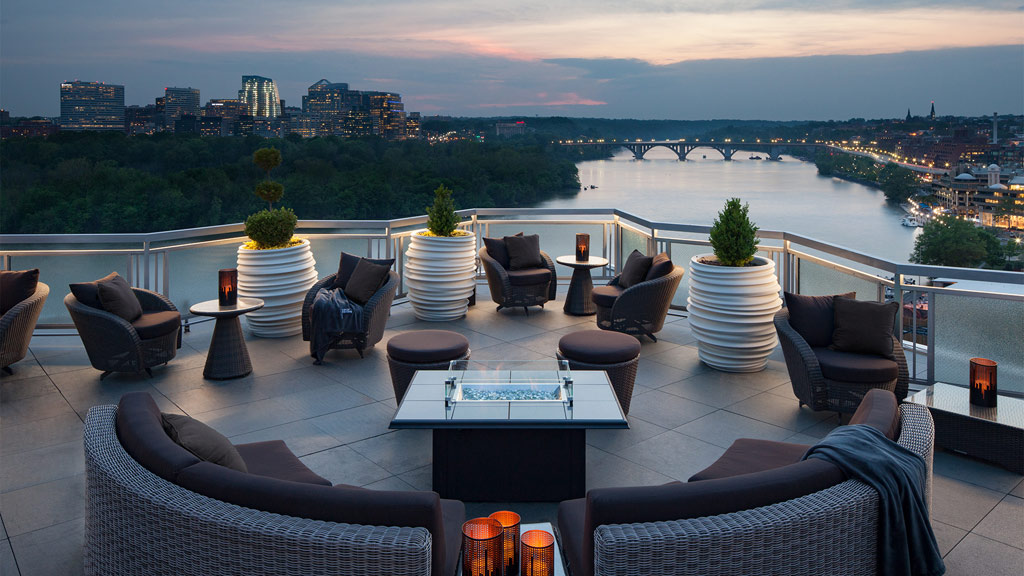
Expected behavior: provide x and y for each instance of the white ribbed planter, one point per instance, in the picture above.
(731, 313)
(280, 278)
(440, 273)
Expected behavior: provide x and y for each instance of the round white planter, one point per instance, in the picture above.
(440, 273)
(731, 313)
(280, 278)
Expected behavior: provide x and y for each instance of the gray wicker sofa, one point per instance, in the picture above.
(758, 510)
(152, 507)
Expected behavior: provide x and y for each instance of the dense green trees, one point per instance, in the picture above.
(92, 182)
(956, 242)
(897, 183)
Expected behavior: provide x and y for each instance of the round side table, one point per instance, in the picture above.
(577, 301)
(228, 357)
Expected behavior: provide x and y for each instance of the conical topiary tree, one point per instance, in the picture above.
(441, 217)
(270, 228)
(733, 236)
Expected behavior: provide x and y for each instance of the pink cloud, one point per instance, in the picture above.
(567, 99)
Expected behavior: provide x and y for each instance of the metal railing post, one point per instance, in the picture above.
(145, 265)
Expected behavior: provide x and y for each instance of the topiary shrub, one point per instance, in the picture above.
(733, 236)
(271, 228)
(441, 217)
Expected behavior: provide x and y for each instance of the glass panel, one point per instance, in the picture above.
(632, 240)
(966, 327)
(817, 280)
(193, 273)
(58, 271)
(681, 255)
(555, 239)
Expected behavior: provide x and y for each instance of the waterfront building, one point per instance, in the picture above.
(91, 106)
(509, 129)
(179, 102)
(260, 96)
(991, 198)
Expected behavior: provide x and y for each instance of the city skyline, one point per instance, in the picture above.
(646, 59)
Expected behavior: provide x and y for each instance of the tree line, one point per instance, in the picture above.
(896, 182)
(99, 183)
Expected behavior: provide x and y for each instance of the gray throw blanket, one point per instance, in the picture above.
(332, 315)
(906, 543)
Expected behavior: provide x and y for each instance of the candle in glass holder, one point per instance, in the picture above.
(227, 293)
(538, 557)
(983, 382)
(510, 534)
(482, 547)
(582, 247)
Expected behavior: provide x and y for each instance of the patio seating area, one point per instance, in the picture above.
(335, 416)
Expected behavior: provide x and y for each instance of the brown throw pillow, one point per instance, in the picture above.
(117, 297)
(496, 249)
(864, 327)
(661, 265)
(347, 264)
(365, 280)
(523, 252)
(88, 293)
(15, 286)
(205, 442)
(635, 269)
(813, 317)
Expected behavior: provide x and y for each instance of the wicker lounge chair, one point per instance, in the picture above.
(640, 309)
(509, 292)
(16, 327)
(375, 315)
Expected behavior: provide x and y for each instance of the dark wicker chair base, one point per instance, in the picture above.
(402, 372)
(605, 321)
(621, 375)
(845, 397)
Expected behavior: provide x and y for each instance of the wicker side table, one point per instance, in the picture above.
(577, 301)
(228, 356)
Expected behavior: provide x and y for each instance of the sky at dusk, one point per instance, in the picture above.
(650, 59)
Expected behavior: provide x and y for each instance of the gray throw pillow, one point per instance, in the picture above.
(347, 264)
(496, 249)
(88, 293)
(813, 317)
(117, 297)
(634, 271)
(523, 252)
(864, 327)
(204, 442)
(15, 286)
(365, 280)
(661, 265)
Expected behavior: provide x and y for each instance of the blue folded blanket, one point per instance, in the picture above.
(906, 543)
(333, 314)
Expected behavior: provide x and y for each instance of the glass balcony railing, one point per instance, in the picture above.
(944, 323)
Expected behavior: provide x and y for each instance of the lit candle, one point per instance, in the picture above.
(227, 294)
(582, 247)
(983, 382)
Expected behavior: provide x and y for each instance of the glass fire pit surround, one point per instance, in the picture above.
(547, 381)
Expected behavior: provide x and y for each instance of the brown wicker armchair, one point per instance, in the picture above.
(115, 345)
(640, 309)
(508, 292)
(810, 385)
(16, 327)
(375, 315)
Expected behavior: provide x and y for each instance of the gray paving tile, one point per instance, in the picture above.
(545, 344)
(508, 351)
(27, 410)
(707, 388)
(648, 348)
(946, 536)
(611, 440)
(366, 376)
(1019, 490)
(357, 423)
(960, 504)
(667, 410)
(302, 437)
(677, 332)
(52, 550)
(245, 418)
(20, 388)
(398, 451)
(3, 530)
(655, 375)
(69, 361)
(606, 470)
(684, 358)
(552, 317)
(24, 469)
(343, 465)
(420, 478)
(40, 433)
(673, 454)
(27, 367)
(8, 566)
(822, 428)
(784, 390)
(979, 555)
(801, 438)
(723, 428)
(1005, 523)
(974, 471)
(43, 505)
(390, 483)
(333, 397)
(779, 411)
(762, 381)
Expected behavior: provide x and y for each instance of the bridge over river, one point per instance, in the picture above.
(771, 150)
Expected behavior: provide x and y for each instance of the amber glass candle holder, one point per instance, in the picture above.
(983, 382)
(582, 247)
(510, 535)
(538, 557)
(227, 292)
(482, 547)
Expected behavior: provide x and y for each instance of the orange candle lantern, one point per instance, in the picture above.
(227, 293)
(582, 247)
(983, 382)
(482, 547)
(538, 557)
(510, 535)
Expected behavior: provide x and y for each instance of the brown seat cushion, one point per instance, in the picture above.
(599, 347)
(571, 523)
(496, 249)
(529, 276)
(523, 252)
(864, 327)
(748, 455)
(88, 293)
(141, 432)
(880, 410)
(205, 442)
(274, 459)
(427, 346)
(15, 286)
(117, 297)
(661, 265)
(813, 317)
(605, 296)
(454, 513)
(347, 264)
(156, 324)
(365, 280)
(862, 368)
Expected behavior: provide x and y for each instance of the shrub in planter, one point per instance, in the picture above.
(441, 217)
(733, 236)
(270, 228)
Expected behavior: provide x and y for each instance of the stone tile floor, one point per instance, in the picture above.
(335, 416)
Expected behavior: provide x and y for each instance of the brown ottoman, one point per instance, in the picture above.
(614, 352)
(422, 350)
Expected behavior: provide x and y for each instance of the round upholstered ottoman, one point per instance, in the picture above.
(614, 352)
(422, 350)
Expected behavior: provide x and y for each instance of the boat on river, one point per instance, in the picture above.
(911, 221)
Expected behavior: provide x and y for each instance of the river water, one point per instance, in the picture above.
(787, 195)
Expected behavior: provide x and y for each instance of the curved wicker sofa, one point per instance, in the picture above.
(831, 531)
(138, 523)
(17, 325)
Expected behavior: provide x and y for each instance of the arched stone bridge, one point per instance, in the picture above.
(772, 150)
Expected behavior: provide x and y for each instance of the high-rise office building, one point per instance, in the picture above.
(413, 121)
(178, 102)
(91, 106)
(387, 114)
(260, 96)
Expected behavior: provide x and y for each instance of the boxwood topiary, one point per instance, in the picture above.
(733, 236)
(271, 228)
